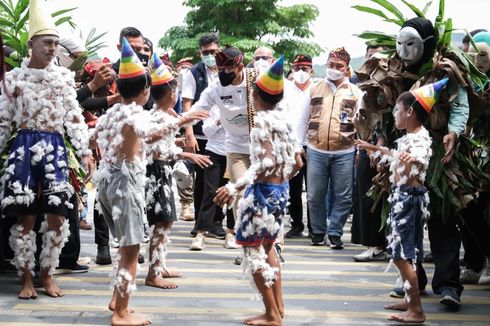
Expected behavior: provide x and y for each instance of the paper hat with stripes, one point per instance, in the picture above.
(428, 95)
(272, 82)
(130, 65)
(160, 74)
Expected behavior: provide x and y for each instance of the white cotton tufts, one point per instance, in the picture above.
(61, 164)
(158, 208)
(255, 261)
(24, 248)
(407, 286)
(398, 208)
(69, 205)
(116, 213)
(52, 246)
(158, 261)
(54, 200)
(123, 282)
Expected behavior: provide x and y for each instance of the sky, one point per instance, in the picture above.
(334, 27)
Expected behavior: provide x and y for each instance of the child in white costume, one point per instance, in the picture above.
(274, 160)
(38, 107)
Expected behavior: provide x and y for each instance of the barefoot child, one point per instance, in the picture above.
(122, 134)
(38, 107)
(409, 198)
(261, 210)
(160, 200)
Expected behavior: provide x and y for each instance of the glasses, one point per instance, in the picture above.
(304, 68)
(263, 57)
(209, 52)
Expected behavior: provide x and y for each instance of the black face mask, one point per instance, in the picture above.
(226, 78)
(143, 58)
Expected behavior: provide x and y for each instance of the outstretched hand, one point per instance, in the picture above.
(222, 197)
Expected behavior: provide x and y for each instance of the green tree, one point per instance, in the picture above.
(246, 24)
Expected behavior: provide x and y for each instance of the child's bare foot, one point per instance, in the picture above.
(402, 306)
(411, 317)
(129, 319)
(112, 306)
(263, 320)
(28, 291)
(169, 274)
(158, 282)
(52, 289)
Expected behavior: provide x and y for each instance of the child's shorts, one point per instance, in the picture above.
(261, 212)
(407, 223)
(36, 175)
(122, 202)
(160, 201)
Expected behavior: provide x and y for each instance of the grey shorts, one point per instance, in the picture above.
(122, 202)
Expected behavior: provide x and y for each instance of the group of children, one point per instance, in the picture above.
(38, 103)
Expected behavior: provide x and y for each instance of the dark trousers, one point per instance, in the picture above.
(101, 229)
(475, 233)
(445, 242)
(213, 179)
(199, 180)
(366, 224)
(296, 202)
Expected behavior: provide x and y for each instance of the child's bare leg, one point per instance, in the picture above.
(414, 312)
(273, 260)
(125, 276)
(54, 238)
(23, 243)
(271, 315)
(158, 252)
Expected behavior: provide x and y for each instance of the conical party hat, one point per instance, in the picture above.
(130, 65)
(272, 82)
(40, 21)
(159, 72)
(428, 95)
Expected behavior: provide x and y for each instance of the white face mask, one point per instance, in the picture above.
(262, 66)
(409, 45)
(209, 60)
(301, 76)
(334, 74)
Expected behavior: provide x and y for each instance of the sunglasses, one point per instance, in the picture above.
(208, 52)
(263, 57)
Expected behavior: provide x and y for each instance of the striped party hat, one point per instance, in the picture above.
(159, 72)
(428, 95)
(272, 82)
(130, 65)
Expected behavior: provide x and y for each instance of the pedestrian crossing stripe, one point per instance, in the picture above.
(211, 311)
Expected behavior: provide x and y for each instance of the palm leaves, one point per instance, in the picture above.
(14, 17)
(91, 42)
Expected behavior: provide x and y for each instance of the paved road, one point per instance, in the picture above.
(321, 287)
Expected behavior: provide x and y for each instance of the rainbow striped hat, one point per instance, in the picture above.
(159, 72)
(428, 95)
(130, 65)
(272, 82)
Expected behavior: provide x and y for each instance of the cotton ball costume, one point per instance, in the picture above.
(37, 107)
(263, 206)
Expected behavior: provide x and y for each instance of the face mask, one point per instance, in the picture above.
(209, 60)
(262, 66)
(143, 58)
(226, 78)
(334, 74)
(301, 76)
(409, 45)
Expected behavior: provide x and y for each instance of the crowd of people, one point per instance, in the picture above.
(239, 141)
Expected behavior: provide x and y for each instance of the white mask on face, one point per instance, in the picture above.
(301, 76)
(334, 74)
(262, 66)
(409, 45)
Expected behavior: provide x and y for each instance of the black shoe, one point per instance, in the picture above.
(279, 250)
(71, 269)
(450, 298)
(141, 259)
(295, 232)
(335, 242)
(428, 258)
(217, 231)
(194, 231)
(318, 240)
(103, 256)
(238, 260)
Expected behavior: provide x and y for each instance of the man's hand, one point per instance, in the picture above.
(191, 144)
(102, 77)
(202, 160)
(449, 142)
(89, 165)
(196, 115)
(222, 197)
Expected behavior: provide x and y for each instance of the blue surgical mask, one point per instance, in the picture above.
(209, 60)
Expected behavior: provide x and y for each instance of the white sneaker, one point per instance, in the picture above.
(185, 213)
(230, 242)
(114, 243)
(84, 260)
(198, 242)
(468, 276)
(371, 254)
(485, 273)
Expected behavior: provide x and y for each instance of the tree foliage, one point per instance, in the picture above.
(247, 24)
